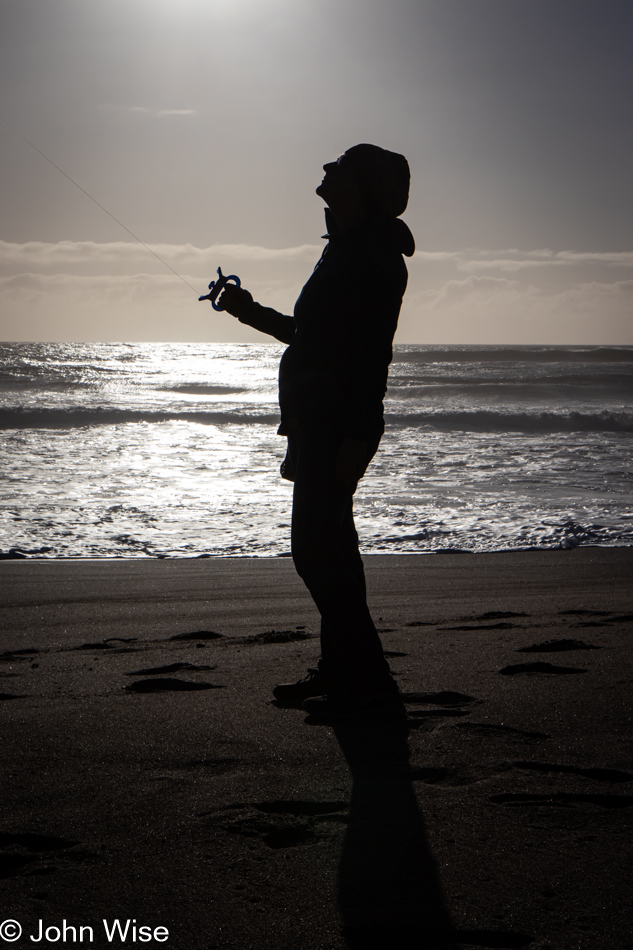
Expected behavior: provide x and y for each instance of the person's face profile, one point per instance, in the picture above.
(339, 183)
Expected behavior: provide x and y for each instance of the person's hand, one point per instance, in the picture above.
(350, 463)
(236, 301)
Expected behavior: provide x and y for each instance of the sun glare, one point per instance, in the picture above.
(225, 8)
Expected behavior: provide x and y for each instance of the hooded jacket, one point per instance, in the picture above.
(333, 375)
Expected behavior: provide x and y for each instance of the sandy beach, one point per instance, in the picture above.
(149, 778)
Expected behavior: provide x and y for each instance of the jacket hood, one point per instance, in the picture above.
(383, 177)
(402, 236)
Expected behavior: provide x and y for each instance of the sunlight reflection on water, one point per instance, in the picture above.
(171, 449)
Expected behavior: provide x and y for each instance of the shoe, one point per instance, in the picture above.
(334, 706)
(291, 695)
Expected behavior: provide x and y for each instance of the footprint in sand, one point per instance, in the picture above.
(622, 618)
(539, 667)
(38, 849)
(581, 611)
(445, 697)
(501, 614)
(598, 775)
(426, 720)
(111, 643)
(11, 656)
(458, 775)
(488, 615)
(277, 636)
(281, 824)
(35, 842)
(557, 646)
(501, 625)
(607, 617)
(170, 668)
(168, 685)
(197, 635)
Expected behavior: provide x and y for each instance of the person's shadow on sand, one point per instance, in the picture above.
(388, 886)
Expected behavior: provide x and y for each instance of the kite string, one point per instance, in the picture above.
(99, 205)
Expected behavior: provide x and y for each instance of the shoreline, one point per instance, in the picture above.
(18, 556)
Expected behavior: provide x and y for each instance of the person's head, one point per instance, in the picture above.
(366, 179)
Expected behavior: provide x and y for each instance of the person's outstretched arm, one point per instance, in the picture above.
(239, 303)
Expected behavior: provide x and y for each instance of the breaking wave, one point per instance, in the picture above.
(480, 420)
(483, 420)
(76, 418)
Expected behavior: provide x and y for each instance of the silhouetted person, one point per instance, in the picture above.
(332, 380)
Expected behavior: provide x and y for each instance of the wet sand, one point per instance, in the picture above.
(148, 777)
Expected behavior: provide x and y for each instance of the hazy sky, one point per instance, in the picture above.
(203, 125)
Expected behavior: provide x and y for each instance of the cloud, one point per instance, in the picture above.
(514, 260)
(479, 291)
(505, 264)
(155, 289)
(120, 307)
(43, 254)
(488, 309)
(139, 307)
(485, 287)
(81, 290)
(617, 259)
(29, 286)
(435, 256)
(122, 255)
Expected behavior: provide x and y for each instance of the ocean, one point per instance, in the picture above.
(170, 450)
